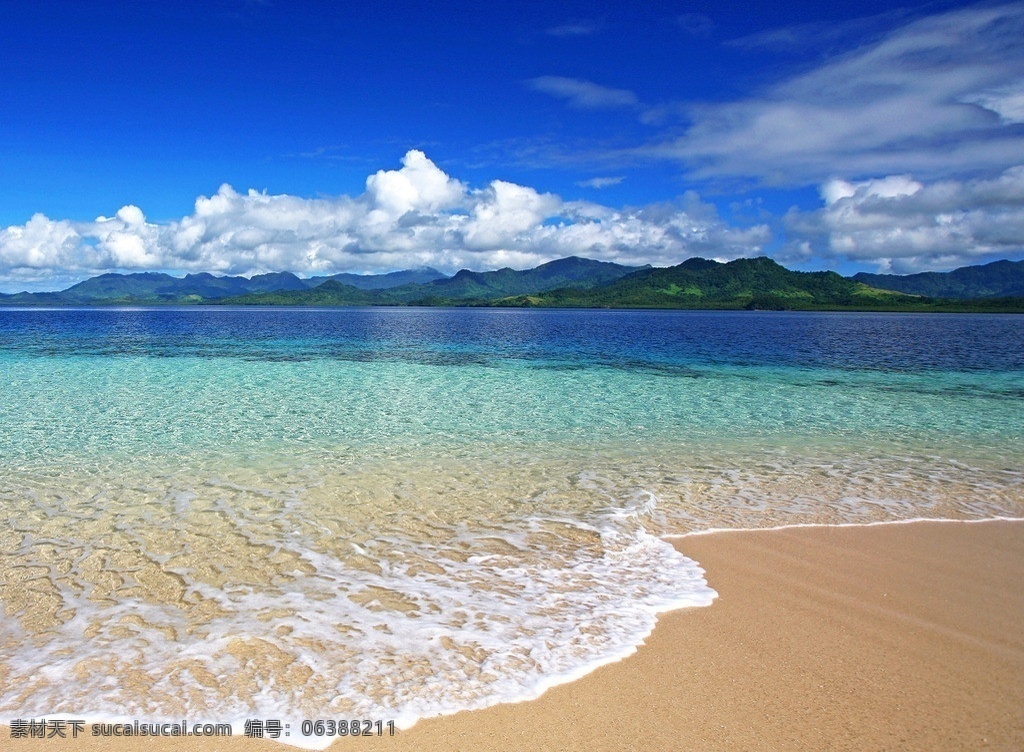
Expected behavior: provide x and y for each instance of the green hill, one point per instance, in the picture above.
(571, 272)
(330, 293)
(381, 281)
(466, 287)
(157, 288)
(998, 279)
(757, 283)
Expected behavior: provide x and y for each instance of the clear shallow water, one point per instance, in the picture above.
(387, 513)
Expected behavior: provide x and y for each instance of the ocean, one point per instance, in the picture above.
(233, 514)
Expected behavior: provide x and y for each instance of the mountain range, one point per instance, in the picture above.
(156, 287)
(571, 282)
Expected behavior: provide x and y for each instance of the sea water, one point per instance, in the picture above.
(248, 514)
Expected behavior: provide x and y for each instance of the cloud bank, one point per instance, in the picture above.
(413, 216)
(901, 225)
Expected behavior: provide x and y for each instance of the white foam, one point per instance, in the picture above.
(502, 615)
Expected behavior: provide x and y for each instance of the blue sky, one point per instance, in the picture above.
(243, 136)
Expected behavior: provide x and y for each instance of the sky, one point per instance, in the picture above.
(246, 136)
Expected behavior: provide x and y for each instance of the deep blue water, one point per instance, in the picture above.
(872, 341)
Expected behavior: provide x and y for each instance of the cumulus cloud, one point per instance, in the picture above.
(939, 97)
(902, 225)
(584, 95)
(503, 212)
(413, 216)
(30, 250)
(419, 185)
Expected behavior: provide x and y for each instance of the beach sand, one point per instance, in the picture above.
(889, 637)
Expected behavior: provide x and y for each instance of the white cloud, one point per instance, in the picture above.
(902, 225)
(600, 182)
(584, 95)
(889, 187)
(39, 244)
(416, 215)
(127, 240)
(504, 213)
(1007, 102)
(419, 185)
(938, 97)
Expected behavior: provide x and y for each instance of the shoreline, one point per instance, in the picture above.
(904, 635)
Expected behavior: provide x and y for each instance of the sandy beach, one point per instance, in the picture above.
(889, 637)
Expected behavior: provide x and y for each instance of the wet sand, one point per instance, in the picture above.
(889, 637)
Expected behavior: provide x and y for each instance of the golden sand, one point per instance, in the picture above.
(891, 637)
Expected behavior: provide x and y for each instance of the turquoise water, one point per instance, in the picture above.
(388, 513)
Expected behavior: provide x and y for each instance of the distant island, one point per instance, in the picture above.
(751, 283)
